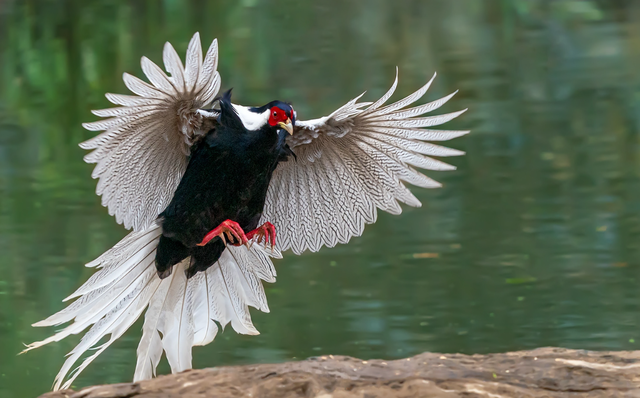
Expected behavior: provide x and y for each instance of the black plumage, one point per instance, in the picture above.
(226, 179)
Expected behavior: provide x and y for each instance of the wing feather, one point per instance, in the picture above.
(173, 65)
(193, 63)
(410, 99)
(313, 203)
(345, 209)
(129, 100)
(356, 208)
(353, 162)
(142, 151)
(382, 99)
(157, 77)
(302, 227)
(420, 110)
(141, 88)
(420, 134)
(209, 67)
(120, 112)
(420, 122)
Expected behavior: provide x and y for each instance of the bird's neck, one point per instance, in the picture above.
(251, 119)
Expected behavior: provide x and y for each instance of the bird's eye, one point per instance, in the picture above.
(275, 113)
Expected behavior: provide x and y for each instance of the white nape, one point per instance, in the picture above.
(251, 120)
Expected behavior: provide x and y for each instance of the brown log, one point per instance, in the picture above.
(544, 372)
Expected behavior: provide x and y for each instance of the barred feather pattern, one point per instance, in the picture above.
(353, 162)
(180, 313)
(142, 151)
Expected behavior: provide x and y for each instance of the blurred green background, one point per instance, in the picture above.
(532, 242)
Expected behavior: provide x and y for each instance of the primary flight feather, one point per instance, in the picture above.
(203, 183)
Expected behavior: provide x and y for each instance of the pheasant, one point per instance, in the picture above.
(212, 191)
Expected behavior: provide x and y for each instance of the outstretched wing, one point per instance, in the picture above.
(351, 163)
(143, 150)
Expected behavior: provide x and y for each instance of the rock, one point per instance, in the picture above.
(544, 372)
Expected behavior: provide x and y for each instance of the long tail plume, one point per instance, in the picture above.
(180, 312)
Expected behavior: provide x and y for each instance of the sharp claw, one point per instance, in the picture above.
(265, 234)
(240, 234)
(227, 231)
(233, 234)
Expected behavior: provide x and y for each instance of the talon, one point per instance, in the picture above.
(231, 229)
(265, 233)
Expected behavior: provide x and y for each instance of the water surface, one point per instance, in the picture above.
(532, 241)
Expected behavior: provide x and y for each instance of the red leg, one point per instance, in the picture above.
(266, 232)
(230, 228)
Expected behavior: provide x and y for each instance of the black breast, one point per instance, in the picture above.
(227, 178)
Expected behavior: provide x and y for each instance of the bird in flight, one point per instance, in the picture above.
(213, 190)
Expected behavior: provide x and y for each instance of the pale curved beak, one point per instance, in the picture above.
(287, 126)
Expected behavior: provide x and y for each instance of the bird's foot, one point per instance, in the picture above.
(266, 232)
(231, 229)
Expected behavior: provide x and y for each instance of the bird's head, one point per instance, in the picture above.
(276, 114)
(281, 115)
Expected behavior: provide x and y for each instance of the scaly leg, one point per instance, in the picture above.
(230, 228)
(266, 232)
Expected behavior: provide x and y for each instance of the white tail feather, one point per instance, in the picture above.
(180, 312)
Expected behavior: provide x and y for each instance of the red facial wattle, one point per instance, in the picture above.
(277, 115)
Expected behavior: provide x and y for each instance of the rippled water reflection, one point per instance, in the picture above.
(532, 242)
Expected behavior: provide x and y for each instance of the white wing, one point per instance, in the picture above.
(142, 152)
(351, 163)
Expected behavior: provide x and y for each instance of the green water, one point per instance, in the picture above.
(532, 242)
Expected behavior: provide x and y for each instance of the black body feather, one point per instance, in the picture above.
(227, 178)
